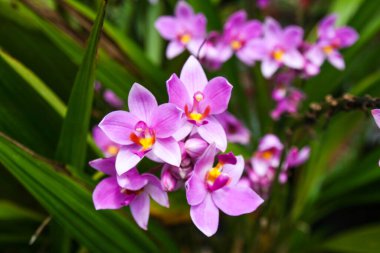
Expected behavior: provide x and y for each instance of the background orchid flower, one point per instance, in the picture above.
(112, 99)
(211, 188)
(238, 32)
(131, 189)
(185, 30)
(268, 154)
(235, 130)
(214, 52)
(278, 47)
(330, 40)
(146, 130)
(289, 103)
(108, 147)
(296, 157)
(199, 100)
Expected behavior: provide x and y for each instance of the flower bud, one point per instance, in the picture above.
(195, 147)
(168, 181)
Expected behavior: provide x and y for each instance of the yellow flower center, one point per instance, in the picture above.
(112, 150)
(185, 38)
(196, 116)
(278, 54)
(214, 173)
(147, 143)
(236, 44)
(267, 155)
(328, 49)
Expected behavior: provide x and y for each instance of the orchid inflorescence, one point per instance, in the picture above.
(186, 136)
(252, 41)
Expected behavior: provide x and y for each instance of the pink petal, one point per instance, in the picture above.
(268, 67)
(293, 36)
(132, 180)
(336, 59)
(205, 162)
(235, 20)
(193, 76)
(234, 171)
(195, 190)
(141, 102)
(251, 29)
(199, 23)
(166, 120)
(294, 59)
(183, 10)
(194, 46)
(118, 126)
(213, 132)
(245, 56)
(140, 209)
(315, 55)
(272, 30)
(126, 159)
(237, 200)
(205, 216)
(105, 165)
(217, 94)
(168, 151)
(326, 27)
(347, 36)
(107, 195)
(154, 189)
(184, 130)
(376, 116)
(174, 48)
(167, 27)
(177, 92)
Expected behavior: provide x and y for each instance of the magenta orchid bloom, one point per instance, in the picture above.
(146, 130)
(330, 40)
(238, 32)
(214, 52)
(278, 47)
(185, 30)
(199, 100)
(108, 147)
(289, 103)
(112, 99)
(131, 189)
(268, 154)
(211, 188)
(296, 157)
(235, 130)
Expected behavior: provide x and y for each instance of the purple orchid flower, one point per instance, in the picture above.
(112, 99)
(200, 99)
(289, 103)
(108, 147)
(185, 30)
(268, 154)
(235, 130)
(214, 52)
(330, 40)
(238, 32)
(296, 157)
(131, 189)
(278, 47)
(146, 130)
(211, 188)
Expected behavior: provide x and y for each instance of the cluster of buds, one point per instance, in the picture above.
(252, 41)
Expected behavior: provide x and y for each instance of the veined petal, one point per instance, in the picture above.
(105, 165)
(234, 171)
(376, 116)
(118, 126)
(107, 195)
(213, 132)
(183, 10)
(294, 59)
(154, 189)
(268, 67)
(272, 30)
(217, 94)
(167, 27)
(347, 36)
(195, 190)
(166, 120)
(132, 180)
(126, 159)
(236, 201)
(140, 208)
(193, 76)
(205, 162)
(174, 48)
(168, 151)
(235, 20)
(141, 102)
(205, 216)
(336, 59)
(252, 29)
(184, 130)
(177, 92)
(326, 27)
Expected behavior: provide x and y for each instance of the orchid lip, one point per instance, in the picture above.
(144, 136)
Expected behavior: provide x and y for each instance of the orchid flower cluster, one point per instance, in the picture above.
(252, 41)
(185, 135)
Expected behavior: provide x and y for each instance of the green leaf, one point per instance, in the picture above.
(360, 240)
(11, 211)
(72, 143)
(70, 204)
